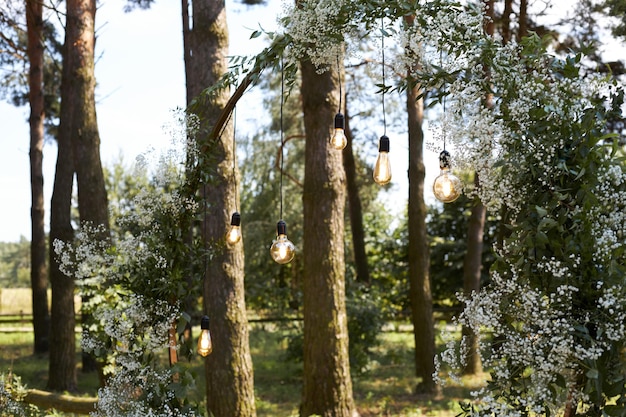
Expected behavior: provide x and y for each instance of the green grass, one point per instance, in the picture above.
(17, 357)
(386, 388)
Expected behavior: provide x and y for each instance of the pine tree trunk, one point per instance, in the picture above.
(327, 387)
(92, 195)
(229, 373)
(77, 132)
(38, 273)
(419, 253)
(472, 268)
(354, 205)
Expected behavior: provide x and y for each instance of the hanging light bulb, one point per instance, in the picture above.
(234, 233)
(339, 140)
(282, 250)
(447, 186)
(382, 169)
(205, 345)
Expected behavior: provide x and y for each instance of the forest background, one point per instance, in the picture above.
(384, 228)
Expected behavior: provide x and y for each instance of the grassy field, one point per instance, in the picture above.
(386, 388)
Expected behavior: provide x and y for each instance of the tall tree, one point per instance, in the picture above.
(327, 385)
(38, 272)
(229, 374)
(92, 195)
(78, 151)
(419, 258)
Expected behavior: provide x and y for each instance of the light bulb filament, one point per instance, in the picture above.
(447, 186)
(234, 235)
(205, 344)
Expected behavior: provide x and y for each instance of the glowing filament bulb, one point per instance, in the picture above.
(282, 249)
(382, 169)
(447, 186)
(205, 345)
(234, 233)
(339, 140)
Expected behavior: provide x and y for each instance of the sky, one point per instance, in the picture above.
(140, 76)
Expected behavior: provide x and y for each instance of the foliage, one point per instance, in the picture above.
(447, 227)
(14, 63)
(12, 393)
(556, 306)
(15, 264)
(134, 285)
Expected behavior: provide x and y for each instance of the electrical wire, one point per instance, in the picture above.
(235, 157)
(282, 137)
(382, 42)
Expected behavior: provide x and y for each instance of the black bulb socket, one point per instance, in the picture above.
(281, 228)
(340, 121)
(204, 323)
(445, 160)
(383, 144)
(235, 220)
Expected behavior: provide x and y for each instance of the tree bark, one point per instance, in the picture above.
(62, 365)
(92, 195)
(354, 205)
(506, 20)
(327, 389)
(229, 373)
(77, 132)
(472, 268)
(38, 273)
(523, 20)
(419, 253)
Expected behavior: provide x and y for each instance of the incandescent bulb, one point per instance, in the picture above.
(382, 169)
(447, 186)
(205, 345)
(234, 233)
(282, 249)
(339, 140)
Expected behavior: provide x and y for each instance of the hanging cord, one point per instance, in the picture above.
(443, 127)
(382, 42)
(339, 77)
(443, 92)
(282, 139)
(235, 157)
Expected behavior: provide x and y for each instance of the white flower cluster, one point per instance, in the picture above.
(136, 325)
(610, 225)
(11, 395)
(315, 33)
(131, 281)
(531, 333)
(434, 32)
(539, 336)
(137, 390)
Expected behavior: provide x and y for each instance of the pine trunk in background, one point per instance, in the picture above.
(419, 253)
(62, 366)
(327, 387)
(354, 205)
(92, 195)
(229, 373)
(38, 272)
(472, 269)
